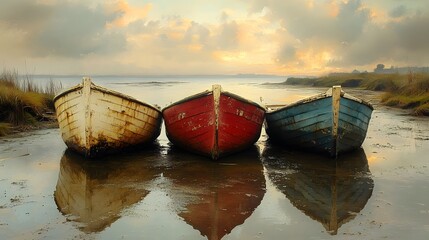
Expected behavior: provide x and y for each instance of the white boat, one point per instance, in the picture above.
(95, 120)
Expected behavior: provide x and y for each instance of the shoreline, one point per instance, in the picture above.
(25, 130)
(402, 91)
(374, 98)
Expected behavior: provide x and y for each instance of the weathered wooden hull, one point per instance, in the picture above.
(95, 121)
(213, 123)
(315, 124)
(329, 191)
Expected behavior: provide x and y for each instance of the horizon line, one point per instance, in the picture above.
(163, 75)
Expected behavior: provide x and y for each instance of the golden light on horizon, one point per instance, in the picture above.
(314, 59)
(227, 56)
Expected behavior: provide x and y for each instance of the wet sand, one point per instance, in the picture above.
(266, 192)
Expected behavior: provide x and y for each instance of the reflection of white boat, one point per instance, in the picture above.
(216, 196)
(330, 192)
(94, 120)
(95, 192)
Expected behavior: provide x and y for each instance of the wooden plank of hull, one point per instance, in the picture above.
(240, 124)
(307, 126)
(95, 121)
(316, 125)
(354, 119)
(191, 124)
(214, 123)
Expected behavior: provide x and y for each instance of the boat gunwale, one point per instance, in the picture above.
(318, 97)
(210, 92)
(68, 90)
(187, 99)
(297, 103)
(107, 91)
(237, 97)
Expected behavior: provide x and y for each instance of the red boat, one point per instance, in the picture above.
(214, 123)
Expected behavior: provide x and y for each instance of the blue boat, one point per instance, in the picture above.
(332, 122)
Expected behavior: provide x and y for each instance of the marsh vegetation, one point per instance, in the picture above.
(24, 104)
(408, 91)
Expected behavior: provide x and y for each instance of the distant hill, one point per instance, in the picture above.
(410, 91)
(380, 69)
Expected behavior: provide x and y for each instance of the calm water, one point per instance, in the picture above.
(378, 192)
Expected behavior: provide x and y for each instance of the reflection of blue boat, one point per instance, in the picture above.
(331, 122)
(331, 192)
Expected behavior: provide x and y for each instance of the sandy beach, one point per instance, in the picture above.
(161, 192)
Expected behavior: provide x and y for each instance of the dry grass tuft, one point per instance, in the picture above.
(5, 128)
(23, 101)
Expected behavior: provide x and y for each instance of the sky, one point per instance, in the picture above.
(165, 37)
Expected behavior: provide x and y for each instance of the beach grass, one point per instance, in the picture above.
(22, 101)
(5, 128)
(408, 91)
(369, 81)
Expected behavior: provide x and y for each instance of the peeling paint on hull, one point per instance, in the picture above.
(316, 124)
(213, 123)
(95, 121)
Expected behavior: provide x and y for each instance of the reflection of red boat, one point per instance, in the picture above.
(214, 123)
(216, 197)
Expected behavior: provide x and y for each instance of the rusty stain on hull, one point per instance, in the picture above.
(95, 121)
(336, 96)
(216, 98)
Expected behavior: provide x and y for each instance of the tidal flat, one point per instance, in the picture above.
(380, 191)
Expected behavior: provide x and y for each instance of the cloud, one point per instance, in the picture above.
(24, 14)
(323, 20)
(143, 26)
(275, 36)
(403, 42)
(398, 12)
(287, 53)
(344, 34)
(65, 30)
(197, 36)
(228, 38)
(320, 27)
(128, 14)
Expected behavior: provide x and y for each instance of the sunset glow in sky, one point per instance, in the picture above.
(308, 37)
